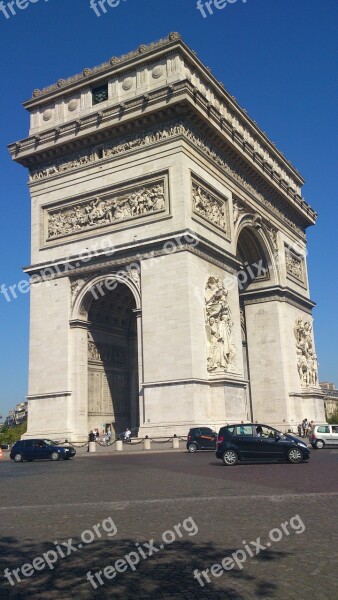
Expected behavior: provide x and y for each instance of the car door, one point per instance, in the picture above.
(207, 438)
(27, 449)
(334, 435)
(41, 450)
(270, 446)
(246, 442)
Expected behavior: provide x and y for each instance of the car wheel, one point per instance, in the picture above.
(295, 455)
(192, 447)
(18, 457)
(230, 458)
(55, 456)
(319, 444)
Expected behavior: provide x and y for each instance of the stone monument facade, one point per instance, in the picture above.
(168, 264)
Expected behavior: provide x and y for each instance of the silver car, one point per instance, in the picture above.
(324, 435)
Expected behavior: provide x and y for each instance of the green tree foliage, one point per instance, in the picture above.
(9, 435)
(333, 418)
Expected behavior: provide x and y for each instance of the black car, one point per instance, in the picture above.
(40, 448)
(258, 442)
(201, 438)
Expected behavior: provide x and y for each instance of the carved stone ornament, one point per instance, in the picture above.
(238, 211)
(154, 135)
(211, 207)
(294, 264)
(107, 209)
(307, 363)
(103, 353)
(218, 321)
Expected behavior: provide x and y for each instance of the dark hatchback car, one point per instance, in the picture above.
(201, 438)
(39, 449)
(258, 442)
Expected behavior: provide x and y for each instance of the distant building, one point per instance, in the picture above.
(18, 415)
(330, 398)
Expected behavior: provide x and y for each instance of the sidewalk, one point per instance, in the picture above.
(134, 447)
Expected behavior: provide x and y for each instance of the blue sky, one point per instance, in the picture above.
(277, 57)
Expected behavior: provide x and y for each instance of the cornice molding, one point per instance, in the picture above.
(153, 248)
(207, 93)
(279, 293)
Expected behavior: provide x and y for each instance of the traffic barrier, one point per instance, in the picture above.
(92, 447)
(119, 446)
(147, 444)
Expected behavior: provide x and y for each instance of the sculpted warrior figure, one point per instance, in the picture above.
(307, 364)
(219, 324)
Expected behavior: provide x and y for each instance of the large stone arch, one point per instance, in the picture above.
(105, 352)
(96, 287)
(255, 243)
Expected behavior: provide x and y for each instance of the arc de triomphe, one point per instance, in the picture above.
(168, 265)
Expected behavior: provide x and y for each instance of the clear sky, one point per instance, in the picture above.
(277, 57)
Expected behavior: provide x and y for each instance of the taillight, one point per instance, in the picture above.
(220, 439)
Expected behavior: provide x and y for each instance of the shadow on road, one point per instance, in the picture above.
(165, 575)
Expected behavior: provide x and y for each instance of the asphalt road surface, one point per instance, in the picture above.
(147, 526)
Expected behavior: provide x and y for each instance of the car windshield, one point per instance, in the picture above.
(50, 443)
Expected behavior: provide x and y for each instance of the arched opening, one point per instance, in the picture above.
(253, 275)
(112, 361)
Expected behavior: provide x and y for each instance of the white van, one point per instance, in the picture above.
(324, 435)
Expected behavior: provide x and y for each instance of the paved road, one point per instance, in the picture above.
(219, 514)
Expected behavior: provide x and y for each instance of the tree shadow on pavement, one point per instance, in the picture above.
(167, 574)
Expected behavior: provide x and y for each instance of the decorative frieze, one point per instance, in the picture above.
(108, 208)
(154, 135)
(63, 166)
(211, 206)
(218, 321)
(307, 363)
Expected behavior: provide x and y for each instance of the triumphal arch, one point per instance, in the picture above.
(168, 266)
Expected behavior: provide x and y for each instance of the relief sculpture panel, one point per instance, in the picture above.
(211, 206)
(106, 209)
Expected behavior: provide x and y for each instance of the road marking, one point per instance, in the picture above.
(80, 546)
(123, 504)
(268, 544)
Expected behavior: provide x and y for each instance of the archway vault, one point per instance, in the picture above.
(97, 287)
(106, 308)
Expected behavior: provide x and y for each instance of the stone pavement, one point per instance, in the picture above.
(147, 495)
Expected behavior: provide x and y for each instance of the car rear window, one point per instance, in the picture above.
(206, 431)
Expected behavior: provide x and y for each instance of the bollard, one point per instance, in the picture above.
(176, 443)
(146, 444)
(92, 447)
(119, 446)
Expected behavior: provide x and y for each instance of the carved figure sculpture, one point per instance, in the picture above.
(210, 207)
(307, 364)
(219, 324)
(105, 210)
